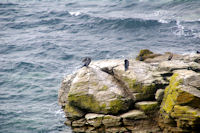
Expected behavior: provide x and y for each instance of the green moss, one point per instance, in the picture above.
(144, 53)
(72, 112)
(117, 105)
(147, 106)
(149, 89)
(132, 84)
(85, 102)
(136, 87)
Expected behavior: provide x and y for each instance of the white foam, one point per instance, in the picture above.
(163, 21)
(75, 13)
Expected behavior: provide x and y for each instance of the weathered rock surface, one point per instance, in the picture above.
(106, 98)
(147, 106)
(95, 91)
(180, 108)
(94, 119)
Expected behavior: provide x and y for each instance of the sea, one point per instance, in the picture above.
(41, 41)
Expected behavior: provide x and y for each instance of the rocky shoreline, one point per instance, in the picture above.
(153, 95)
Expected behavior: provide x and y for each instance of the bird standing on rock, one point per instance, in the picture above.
(141, 58)
(86, 61)
(126, 64)
(170, 56)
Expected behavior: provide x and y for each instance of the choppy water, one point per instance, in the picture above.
(41, 41)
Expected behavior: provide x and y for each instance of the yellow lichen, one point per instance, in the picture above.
(117, 105)
(73, 112)
(144, 53)
(171, 93)
(86, 102)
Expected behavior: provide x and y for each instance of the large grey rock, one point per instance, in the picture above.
(89, 91)
(140, 78)
(105, 89)
(180, 107)
(173, 65)
(164, 57)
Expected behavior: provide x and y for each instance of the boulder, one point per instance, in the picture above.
(173, 65)
(89, 91)
(139, 78)
(105, 98)
(181, 99)
(164, 57)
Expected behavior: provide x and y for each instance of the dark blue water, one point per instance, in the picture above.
(42, 41)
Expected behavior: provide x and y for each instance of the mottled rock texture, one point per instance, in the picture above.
(105, 98)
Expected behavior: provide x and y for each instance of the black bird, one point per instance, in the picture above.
(170, 56)
(86, 61)
(126, 64)
(198, 52)
(141, 58)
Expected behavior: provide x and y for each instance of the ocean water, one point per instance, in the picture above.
(41, 41)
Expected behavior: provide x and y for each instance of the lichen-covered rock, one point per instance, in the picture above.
(139, 78)
(181, 95)
(95, 98)
(147, 106)
(73, 113)
(173, 65)
(145, 53)
(111, 121)
(90, 91)
(94, 119)
(63, 91)
(164, 57)
(107, 65)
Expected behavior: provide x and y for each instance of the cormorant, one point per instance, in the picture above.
(126, 64)
(86, 61)
(170, 56)
(141, 58)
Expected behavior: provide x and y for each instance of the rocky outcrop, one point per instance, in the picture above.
(180, 109)
(153, 95)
